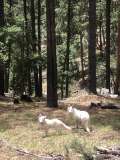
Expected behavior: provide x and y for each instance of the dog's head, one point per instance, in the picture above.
(70, 109)
(41, 118)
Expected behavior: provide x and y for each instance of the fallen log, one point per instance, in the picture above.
(108, 153)
(106, 157)
(104, 105)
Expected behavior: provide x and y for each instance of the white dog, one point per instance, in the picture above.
(52, 123)
(80, 117)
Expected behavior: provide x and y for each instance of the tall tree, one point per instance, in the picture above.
(117, 83)
(92, 46)
(108, 21)
(100, 38)
(39, 47)
(2, 23)
(34, 48)
(51, 55)
(32, 9)
(82, 56)
(1, 78)
(7, 68)
(68, 45)
(27, 47)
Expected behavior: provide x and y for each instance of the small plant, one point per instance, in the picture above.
(78, 147)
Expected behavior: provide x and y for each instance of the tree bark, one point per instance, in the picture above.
(81, 57)
(92, 46)
(2, 78)
(2, 20)
(108, 21)
(117, 83)
(33, 26)
(34, 48)
(7, 74)
(39, 48)
(27, 47)
(101, 44)
(51, 55)
(68, 46)
(2, 23)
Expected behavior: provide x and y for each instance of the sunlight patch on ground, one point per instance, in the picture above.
(21, 128)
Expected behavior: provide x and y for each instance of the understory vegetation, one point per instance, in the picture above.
(20, 128)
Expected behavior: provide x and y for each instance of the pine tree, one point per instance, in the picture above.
(27, 47)
(68, 46)
(51, 55)
(117, 83)
(108, 22)
(92, 46)
(2, 23)
(39, 47)
(36, 79)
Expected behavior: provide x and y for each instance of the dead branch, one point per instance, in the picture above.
(108, 153)
(104, 105)
(106, 157)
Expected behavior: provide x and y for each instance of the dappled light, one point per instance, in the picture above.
(22, 129)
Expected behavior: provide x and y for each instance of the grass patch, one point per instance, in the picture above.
(21, 128)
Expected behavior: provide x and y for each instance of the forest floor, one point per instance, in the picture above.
(19, 128)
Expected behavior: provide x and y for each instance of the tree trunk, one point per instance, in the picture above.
(22, 73)
(68, 46)
(29, 79)
(27, 48)
(26, 27)
(1, 78)
(81, 57)
(7, 75)
(39, 47)
(108, 5)
(36, 81)
(51, 55)
(103, 36)
(33, 26)
(2, 22)
(92, 46)
(34, 48)
(101, 44)
(117, 83)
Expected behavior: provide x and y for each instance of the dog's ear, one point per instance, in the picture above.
(69, 105)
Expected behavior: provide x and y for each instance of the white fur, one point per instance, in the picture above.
(54, 123)
(114, 95)
(80, 116)
(105, 92)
